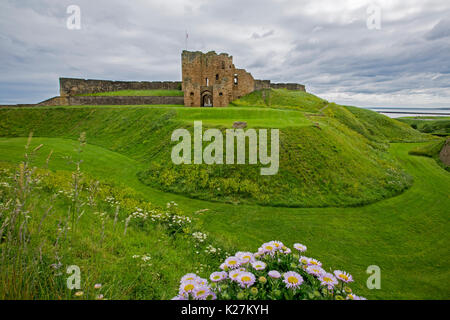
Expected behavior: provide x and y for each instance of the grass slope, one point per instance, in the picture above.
(431, 150)
(404, 235)
(323, 161)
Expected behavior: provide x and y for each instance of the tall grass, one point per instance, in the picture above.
(50, 221)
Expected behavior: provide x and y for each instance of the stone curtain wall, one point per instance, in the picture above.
(71, 87)
(266, 84)
(289, 86)
(262, 84)
(112, 101)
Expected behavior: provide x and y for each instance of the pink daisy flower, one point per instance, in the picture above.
(299, 247)
(202, 282)
(218, 276)
(259, 265)
(246, 279)
(315, 271)
(189, 276)
(277, 244)
(234, 274)
(245, 257)
(304, 260)
(314, 262)
(274, 274)
(187, 286)
(292, 279)
(329, 280)
(267, 248)
(200, 293)
(343, 276)
(232, 262)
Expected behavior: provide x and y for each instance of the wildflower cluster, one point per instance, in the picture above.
(173, 222)
(112, 201)
(171, 218)
(144, 258)
(273, 272)
(199, 236)
(194, 287)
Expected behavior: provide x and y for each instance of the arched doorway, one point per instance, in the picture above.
(207, 99)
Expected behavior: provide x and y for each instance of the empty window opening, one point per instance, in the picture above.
(207, 82)
(192, 94)
(223, 65)
(217, 77)
(220, 94)
(235, 80)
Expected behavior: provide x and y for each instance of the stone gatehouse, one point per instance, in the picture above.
(212, 80)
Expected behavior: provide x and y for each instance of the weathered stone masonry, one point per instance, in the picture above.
(212, 80)
(72, 87)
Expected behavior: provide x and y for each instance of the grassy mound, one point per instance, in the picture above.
(319, 166)
(328, 157)
(372, 125)
(282, 98)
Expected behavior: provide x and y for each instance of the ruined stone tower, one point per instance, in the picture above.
(211, 80)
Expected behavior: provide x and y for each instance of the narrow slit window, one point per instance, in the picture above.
(235, 80)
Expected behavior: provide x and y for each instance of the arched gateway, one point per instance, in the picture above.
(207, 99)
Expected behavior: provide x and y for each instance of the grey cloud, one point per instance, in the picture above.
(440, 30)
(256, 35)
(322, 44)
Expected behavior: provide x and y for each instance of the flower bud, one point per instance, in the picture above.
(277, 293)
(226, 296)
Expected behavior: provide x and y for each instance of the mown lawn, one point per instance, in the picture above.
(406, 236)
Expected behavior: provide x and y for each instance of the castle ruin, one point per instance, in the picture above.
(212, 80)
(208, 80)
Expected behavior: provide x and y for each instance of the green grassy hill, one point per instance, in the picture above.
(334, 158)
(327, 150)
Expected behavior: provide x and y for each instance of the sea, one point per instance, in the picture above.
(412, 112)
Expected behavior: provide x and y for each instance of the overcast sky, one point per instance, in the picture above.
(325, 45)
